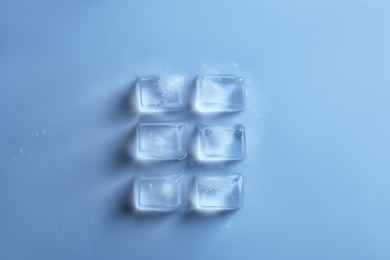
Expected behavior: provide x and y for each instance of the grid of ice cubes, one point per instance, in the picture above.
(220, 93)
(221, 142)
(161, 94)
(160, 192)
(166, 141)
(219, 192)
(161, 141)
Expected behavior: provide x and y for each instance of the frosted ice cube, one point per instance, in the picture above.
(220, 93)
(160, 94)
(160, 192)
(219, 192)
(221, 142)
(161, 141)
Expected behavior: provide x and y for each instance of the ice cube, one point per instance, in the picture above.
(220, 93)
(160, 192)
(221, 142)
(161, 94)
(218, 192)
(161, 141)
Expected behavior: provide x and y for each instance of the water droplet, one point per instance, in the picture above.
(238, 134)
(208, 132)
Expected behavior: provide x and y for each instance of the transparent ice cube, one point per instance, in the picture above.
(160, 192)
(219, 192)
(221, 142)
(220, 93)
(161, 94)
(161, 141)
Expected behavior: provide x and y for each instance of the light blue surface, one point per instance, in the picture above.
(317, 173)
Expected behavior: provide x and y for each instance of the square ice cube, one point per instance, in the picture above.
(160, 192)
(161, 141)
(218, 192)
(220, 93)
(161, 94)
(221, 142)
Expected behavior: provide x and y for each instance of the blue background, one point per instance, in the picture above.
(317, 172)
